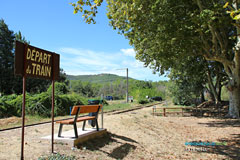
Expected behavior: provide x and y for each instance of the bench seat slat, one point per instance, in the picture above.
(71, 121)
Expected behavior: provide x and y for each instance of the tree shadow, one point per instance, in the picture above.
(228, 147)
(122, 151)
(223, 124)
(119, 152)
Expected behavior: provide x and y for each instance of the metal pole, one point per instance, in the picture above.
(23, 116)
(52, 115)
(127, 86)
(102, 110)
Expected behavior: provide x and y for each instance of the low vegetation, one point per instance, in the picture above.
(40, 104)
(57, 156)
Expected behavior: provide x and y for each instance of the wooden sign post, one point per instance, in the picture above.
(34, 62)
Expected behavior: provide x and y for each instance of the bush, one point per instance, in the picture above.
(140, 94)
(11, 105)
(39, 104)
(64, 102)
(142, 101)
(60, 88)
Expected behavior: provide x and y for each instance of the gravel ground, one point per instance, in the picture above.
(135, 135)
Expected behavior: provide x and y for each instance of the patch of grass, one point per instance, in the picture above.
(29, 119)
(61, 143)
(119, 106)
(57, 157)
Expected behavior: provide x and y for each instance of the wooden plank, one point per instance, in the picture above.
(92, 135)
(74, 110)
(89, 108)
(85, 109)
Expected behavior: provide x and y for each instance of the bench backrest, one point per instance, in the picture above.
(85, 109)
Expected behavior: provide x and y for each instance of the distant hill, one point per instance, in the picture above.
(99, 78)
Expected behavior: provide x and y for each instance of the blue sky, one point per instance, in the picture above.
(83, 48)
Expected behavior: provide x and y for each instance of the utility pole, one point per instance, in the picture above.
(127, 85)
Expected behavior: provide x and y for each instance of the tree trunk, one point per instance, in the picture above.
(219, 93)
(234, 83)
(212, 87)
(234, 86)
(202, 97)
(234, 103)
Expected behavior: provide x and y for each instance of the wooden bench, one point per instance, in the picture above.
(80, 109)
(165, 108)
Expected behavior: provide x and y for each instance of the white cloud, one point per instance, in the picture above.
(128, 52)
(87, 62)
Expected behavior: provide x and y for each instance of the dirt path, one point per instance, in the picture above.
(135, 135)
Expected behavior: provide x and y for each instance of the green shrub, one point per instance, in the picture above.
(142, 101)
(39, 104)
(64, 102)
(140, 94)
(6, 110)
(60, 88)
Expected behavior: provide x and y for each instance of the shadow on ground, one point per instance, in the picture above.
(223, 123)
(228, 147)
(123, 144)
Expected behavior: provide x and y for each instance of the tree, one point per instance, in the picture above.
(162, 32)
(6, 58)
(195, 75)
(89, 13)
(21, 38)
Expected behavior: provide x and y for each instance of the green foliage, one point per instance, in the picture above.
(5, 109)
(21, 38)
(118, 106)
(60, 88)
(8, 82)
(224, 94)
(86, 89)
(6, 59)
(57, 157)
(64, 102)
(117, 89)
(11, 105)
(88, 8)
(143, 101)
(181, 94)
(140, 94)
(39, 104)
(99, 78)
(164, 32)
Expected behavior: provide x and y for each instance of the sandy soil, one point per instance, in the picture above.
(135, 135)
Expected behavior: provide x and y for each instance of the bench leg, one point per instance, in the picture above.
(60, 130)
(75, 130)
(84, 123)
(97, 124)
